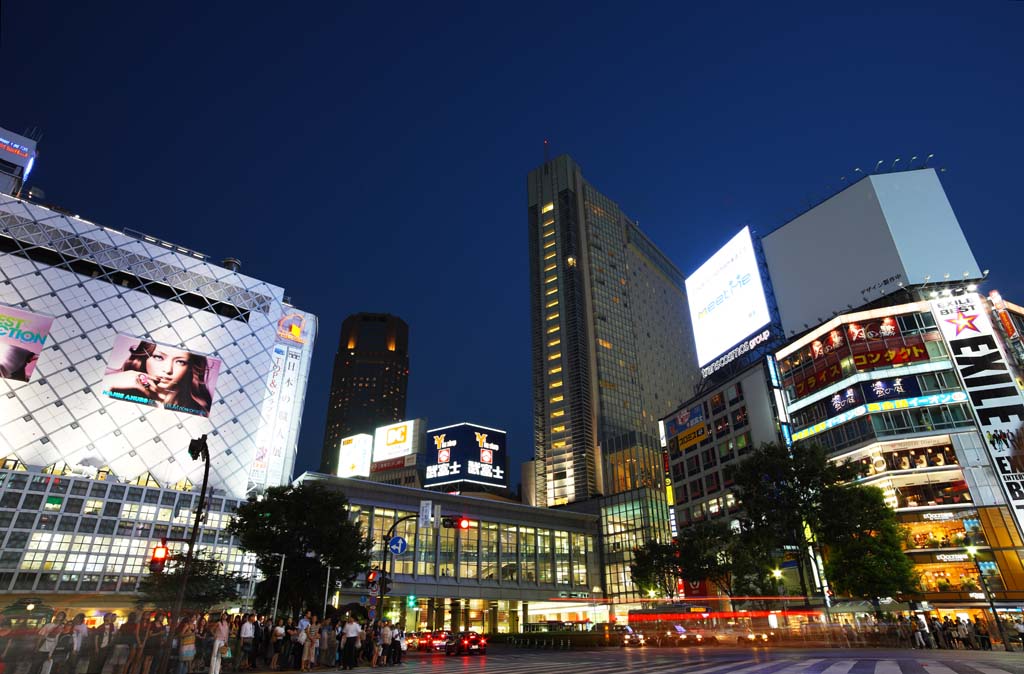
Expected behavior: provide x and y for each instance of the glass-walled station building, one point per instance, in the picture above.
(514, 566)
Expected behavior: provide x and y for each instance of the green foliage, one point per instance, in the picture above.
(863, 544)
(209, 587)
(655, 568)
(735, 560)
(310, 525)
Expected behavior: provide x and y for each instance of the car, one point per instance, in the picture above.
(677, 635)
(433, 642)
(412, 641)
(624, 635)
(743, 637)
(465, 643)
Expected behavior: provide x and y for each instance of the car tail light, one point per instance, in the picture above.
(483, 641)
(465, 641)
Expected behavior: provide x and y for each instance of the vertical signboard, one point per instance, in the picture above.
(987, 378)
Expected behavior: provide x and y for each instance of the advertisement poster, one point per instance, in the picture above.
(147, 373)
(989, 381)
(22, 338)
(355, 455)
(467, 452)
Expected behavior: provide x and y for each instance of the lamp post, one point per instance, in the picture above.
(277, 593)
(972, 551)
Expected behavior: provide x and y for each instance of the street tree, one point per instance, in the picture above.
(782, 493)
(311, 526)
(862, 541)
(209, 586)
(655, 568)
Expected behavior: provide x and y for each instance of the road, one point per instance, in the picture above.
(503, 660)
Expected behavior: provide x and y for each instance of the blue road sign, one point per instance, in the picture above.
(372, 613)
(362, 600)
(397, 545)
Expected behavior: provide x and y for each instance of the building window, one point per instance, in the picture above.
(547, 208)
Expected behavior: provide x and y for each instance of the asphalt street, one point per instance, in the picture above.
(503, 660)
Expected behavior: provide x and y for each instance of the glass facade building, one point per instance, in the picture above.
(610, 333)
(514, 565)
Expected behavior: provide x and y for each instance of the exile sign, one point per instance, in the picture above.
(986, 376)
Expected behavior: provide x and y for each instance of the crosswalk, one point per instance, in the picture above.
(660, 662)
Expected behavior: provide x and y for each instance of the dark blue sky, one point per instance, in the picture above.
(374, 158)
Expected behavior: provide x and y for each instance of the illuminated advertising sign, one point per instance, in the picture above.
(355, 455)
(986, 375)
(147, 373)
(814, 381)
(873, 329)
(886, 406)
(396, 440)
(844, 400)
(466, 453)
(22, 337)
(687, 427)
(290, 328)
(881, 356)
(891, 388)
(726, 298)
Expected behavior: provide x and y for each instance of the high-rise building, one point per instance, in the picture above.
(368, 386)
(17, 156)
(116, 350)
(611, 354)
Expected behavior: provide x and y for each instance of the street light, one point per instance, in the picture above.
(777, 574)
(972, 552)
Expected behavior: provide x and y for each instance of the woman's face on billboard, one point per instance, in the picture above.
(167, 367)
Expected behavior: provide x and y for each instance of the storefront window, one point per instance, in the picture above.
(562, 557)
(509, 566)
(470, 555)
(947, 576)
(544, 556)
(943, 529)
(945, 493)
(407, 530)
(579, 561)
(446, 558)
(488, 550)
(527, 554)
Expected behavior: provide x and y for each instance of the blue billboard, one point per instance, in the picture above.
(466, 453)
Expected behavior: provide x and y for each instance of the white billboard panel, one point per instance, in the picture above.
(726, 298)
(396, 440)
(866, 242)
(355, 456)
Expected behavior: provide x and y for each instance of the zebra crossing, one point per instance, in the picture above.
(660, 662)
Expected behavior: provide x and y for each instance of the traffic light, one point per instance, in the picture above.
(371, 576)
(461, 523)
(410, 601)
(197, 447)
(385, 584)
(159, 558)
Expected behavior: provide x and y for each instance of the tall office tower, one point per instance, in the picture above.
(371, 372)
(611, 348)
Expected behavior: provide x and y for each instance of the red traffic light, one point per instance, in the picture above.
(371, 576)
(159, 558)
(159, 553)
(463, 523)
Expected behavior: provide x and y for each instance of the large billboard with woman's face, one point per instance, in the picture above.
(22, 337)
(147, 373)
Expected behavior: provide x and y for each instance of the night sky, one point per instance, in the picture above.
(374, 158)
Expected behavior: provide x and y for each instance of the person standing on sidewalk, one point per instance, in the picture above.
(221, 634)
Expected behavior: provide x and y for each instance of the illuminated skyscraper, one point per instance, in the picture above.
(611, 344)
(368, 386)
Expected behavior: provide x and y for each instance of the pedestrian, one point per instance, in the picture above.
(312, 633)
(221, 634)
(186, 637)
(60, 658)
(350, 643)
(46, 642)
(126, 648)
(277, 641)
(103, 640)
(981, 629)
(328, 644)
(152, 642)
(246, 634)
(397, 644)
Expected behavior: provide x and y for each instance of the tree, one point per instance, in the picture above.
(863, 544)
(655, 568)
(782, 491)
(310, 525)
(209, 587)
(735, 559)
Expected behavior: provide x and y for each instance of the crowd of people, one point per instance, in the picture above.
(200, 644)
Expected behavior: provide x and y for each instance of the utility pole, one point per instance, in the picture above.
(277, 594)
(197, 449)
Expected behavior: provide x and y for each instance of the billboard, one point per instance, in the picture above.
(355, 455)
(148, 373)
(726, 298)
(687, 427)
(396, 440)
(870, 240)
(990, 382)
(22, 337)
(466, 453)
